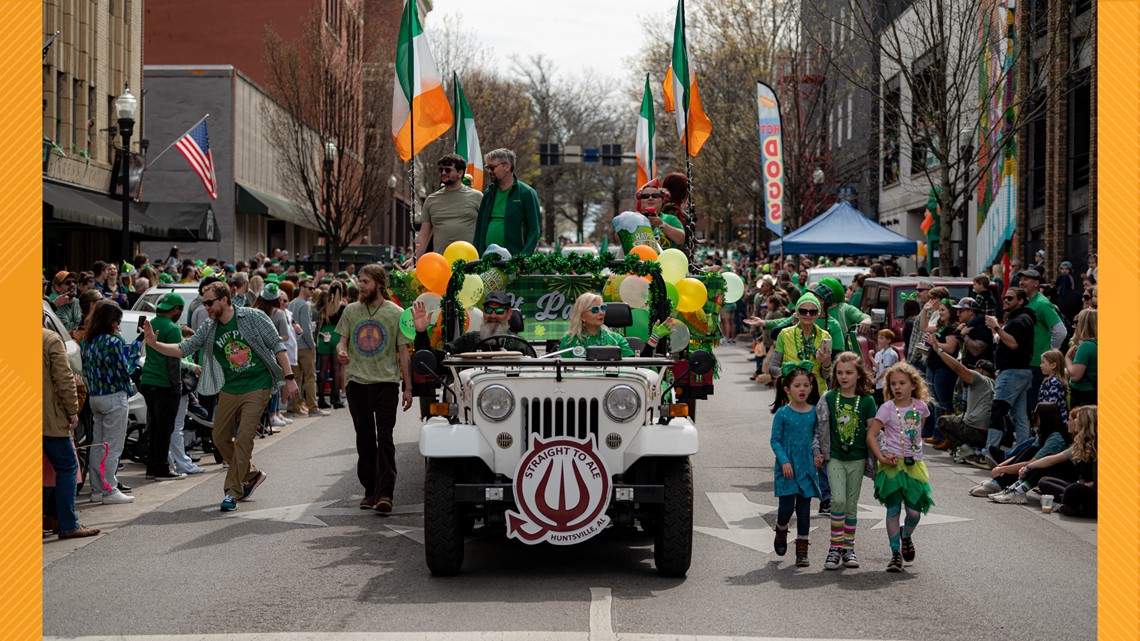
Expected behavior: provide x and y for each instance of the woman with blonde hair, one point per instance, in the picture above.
(587, 326)
(1080, 361)
(1077, 463)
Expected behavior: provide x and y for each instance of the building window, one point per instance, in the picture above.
(1037, 140)
(60, 85)
(892, 119)
(850, 99)
(926, 103)
(1080, 113)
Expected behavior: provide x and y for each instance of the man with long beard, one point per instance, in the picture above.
(496, 322)
(371, 348)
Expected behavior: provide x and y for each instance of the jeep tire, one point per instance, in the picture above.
(443, 529)
(673, 536)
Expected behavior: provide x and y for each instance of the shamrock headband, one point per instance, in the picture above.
(789, 367)
(911, 296)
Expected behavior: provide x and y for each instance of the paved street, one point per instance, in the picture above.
(301, 562)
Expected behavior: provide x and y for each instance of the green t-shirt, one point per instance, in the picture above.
(244, 371)
(154, 370)
(659, 233)
(849, 417)
(1047, 317)
(374, 339)
(1086, 355)
(496, 228)
(452, 215)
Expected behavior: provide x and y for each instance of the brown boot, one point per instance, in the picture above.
(943, 445)
(801, 553)
(780, 544)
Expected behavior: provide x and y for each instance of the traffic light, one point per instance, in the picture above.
(611, 155)
(549, 154)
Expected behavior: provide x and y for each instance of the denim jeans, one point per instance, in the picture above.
(942, 385)
(177, 453)
(1010, 388)
(60, 452)
(110, 415)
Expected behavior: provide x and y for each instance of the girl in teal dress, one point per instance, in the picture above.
(793, 429)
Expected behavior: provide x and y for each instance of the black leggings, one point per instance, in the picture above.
(1006, 480)
(802, 506)
(1076, 499)
(1063, 471)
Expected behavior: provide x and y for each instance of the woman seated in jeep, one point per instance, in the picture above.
(588, 329)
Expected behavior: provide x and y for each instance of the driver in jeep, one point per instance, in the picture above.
(496, 317)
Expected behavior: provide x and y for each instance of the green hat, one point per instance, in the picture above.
(169, 302)
(272, 278)
(809, 298)
(127, 268)
(198, 262)
(209, 271)
(165, 279)
(838, 292)
(271, 291)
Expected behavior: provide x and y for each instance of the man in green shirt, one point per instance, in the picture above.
(161, 387)
(450, 213)
(508, 214)
(372, 351)
(1048, 333)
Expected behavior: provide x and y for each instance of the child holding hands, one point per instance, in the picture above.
(792, 433)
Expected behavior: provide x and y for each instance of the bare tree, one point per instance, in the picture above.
(929, 85)
(319, 130)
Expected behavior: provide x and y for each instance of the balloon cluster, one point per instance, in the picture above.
(434, 271)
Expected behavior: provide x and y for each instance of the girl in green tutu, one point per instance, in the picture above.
(901, 480)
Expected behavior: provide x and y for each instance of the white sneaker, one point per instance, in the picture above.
(117, 497)
(286, 419)
(1010, 497)
(277, 422)
(96, 497)
(985, 489)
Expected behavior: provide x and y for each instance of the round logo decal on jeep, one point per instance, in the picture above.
(563, 490)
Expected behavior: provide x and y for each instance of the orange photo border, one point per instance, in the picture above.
(1119, 249)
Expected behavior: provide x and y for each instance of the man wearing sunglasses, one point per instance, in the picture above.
(496, 322)
(508, 214)
(64, 299)
(450, 213)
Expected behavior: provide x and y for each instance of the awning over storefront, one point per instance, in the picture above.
(256, 201)
(149, 220)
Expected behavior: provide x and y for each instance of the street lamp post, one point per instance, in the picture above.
(330, 160)
(125, 108)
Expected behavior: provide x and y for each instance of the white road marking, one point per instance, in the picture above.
(310, 513)
(601, 626)
(748, 528)
(414, 533)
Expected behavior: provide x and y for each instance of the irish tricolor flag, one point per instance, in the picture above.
(646, 139)
(466, 138)
(420, 112)
(681, 94)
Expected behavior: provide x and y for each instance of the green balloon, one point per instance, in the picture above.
(640, 326)
(407, 326)
(671, 292)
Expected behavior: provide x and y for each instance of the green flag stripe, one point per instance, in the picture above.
(405, 56)
(681, 56)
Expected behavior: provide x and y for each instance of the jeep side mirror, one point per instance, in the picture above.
(423, 362)
(700, 362)
(879, 316)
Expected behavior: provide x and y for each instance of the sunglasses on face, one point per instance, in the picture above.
(807, 311)
(493, 167)
(494, 310)
(598, 309)
(446, 170)
(655, 194)
(1009, 298)
(923, 289)
(209, 302)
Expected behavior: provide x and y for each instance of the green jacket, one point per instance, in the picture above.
(523, 226)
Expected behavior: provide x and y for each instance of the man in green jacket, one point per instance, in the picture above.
(508, 214)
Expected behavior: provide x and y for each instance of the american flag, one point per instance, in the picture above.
(195, 146)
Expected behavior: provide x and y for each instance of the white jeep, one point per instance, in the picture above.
(557, 448)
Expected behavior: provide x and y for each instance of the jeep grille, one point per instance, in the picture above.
(549, 417)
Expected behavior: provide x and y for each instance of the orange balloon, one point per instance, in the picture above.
(644, 252)
(434, 271)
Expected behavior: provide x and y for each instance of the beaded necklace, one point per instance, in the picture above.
(805, 346)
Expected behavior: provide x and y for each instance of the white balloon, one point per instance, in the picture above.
(430, 301)
(495, 249)
(679, 339)
(635, 291)
(476, 316)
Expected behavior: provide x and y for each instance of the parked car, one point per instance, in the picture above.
(150, 298)
(883, 298)
(843, 274)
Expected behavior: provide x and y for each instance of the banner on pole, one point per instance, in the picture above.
(771, 157)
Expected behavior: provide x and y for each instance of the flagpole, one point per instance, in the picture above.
(175, 142)
(411, 4)
(690, 222)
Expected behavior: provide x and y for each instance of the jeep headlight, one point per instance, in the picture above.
(496, 402)
(622, 403)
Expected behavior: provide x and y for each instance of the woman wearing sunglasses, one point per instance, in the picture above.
(667, 228)
(805, 341)
(588, 329)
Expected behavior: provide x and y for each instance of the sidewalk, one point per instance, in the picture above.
(149, 495)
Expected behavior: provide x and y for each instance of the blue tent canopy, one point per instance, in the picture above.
(843, 230)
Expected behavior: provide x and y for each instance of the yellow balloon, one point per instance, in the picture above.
(460, 250)
(434, 271)
(691, 295)
(674, 265)
(472, 292)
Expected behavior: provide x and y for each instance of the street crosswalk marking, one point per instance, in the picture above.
(310, 513)
(747, 526)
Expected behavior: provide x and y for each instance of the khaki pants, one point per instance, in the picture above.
(306, 380)
(243, 411)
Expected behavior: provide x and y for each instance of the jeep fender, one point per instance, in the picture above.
(678, 438)
(439, 439)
